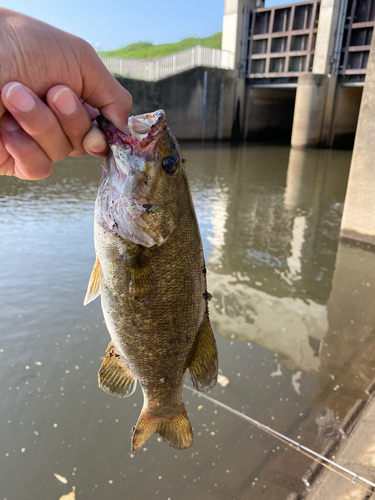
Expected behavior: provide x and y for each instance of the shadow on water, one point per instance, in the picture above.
(291, 310)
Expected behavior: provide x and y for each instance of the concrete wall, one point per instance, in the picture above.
(269, 115)
(265, 114)
(181, 97)
(346, 117)
(358, 222)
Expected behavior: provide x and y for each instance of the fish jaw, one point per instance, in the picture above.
(142, 129)
(113, 211)
(129, 201)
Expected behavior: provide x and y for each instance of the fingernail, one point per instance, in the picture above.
(9, 124)
(97, 145)
(65, 102)
(20, 98)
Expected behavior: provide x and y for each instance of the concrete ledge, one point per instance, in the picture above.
(316, 467)
(349, 421)
(356, 452)
(364, 241)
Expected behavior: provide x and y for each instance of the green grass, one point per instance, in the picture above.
(146, 50)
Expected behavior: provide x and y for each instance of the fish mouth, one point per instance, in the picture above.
(142, 129)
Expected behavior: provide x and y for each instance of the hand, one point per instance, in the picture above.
(52, 84)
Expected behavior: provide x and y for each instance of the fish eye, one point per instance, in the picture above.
(170, 165)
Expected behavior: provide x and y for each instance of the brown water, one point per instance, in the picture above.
(292, 312)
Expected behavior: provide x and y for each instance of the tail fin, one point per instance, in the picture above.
(174, 429)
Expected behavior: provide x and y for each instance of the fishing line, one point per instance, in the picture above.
(345, 473)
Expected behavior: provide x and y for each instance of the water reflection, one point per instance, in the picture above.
(347, 354)
(274, 247)
(292, 315)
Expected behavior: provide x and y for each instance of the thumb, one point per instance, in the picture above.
(102, 91)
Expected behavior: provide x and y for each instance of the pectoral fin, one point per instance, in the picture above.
(204, 367)
(93, 288)
(115, 377)
(142, 280)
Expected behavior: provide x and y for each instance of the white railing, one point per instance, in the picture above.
(156, 69)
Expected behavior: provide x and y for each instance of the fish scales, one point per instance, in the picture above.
(151, 275)
(162, 319)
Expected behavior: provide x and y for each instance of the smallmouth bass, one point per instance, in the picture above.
(151, 275)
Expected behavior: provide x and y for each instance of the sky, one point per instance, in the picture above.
(109, 25)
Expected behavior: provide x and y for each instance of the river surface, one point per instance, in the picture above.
(292, 312)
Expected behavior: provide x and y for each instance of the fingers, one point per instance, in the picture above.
(6, 166)
(57, 128)
(46, 132)
(75, 119)
(21, 155)
(71, 116)
(36, 119)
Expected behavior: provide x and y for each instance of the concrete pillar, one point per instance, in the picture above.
(348, 103)
(309, 110)
(358, 222)
(233, 21)
(325, 38)
(314, 110)
(231, 41)
(315, 99)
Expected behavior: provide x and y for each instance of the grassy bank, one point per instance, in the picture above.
(146, 50)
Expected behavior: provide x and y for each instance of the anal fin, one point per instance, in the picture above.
(204, 366)
(174, 429)
(115, 377)
(94, 286)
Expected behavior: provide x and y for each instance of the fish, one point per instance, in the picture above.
(151, 275)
